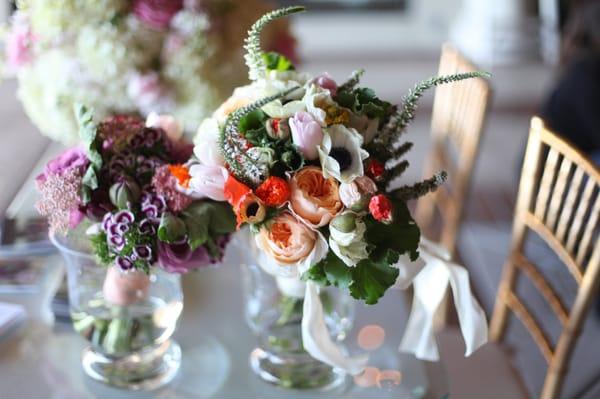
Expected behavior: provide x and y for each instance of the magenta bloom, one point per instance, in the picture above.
(179, 258)
(72, 159)
(156, 13)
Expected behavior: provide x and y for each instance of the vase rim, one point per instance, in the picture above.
(62, 246)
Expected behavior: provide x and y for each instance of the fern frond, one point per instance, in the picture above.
(254, 53)
(420, 189)
(352, 81)
(404, 116)
(396, 171)
(234, 146)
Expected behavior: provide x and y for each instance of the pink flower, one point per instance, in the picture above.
(169, 124)
(72, 159)
(325, 81)
(207, 181)
(148, 92)
(18, 42)
(156, 13)
(165, 185)
(357, 192)
(306, 134)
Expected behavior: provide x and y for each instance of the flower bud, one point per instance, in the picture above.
(124, 192)
(381, 209)
(278, 128)
(356, 194)
(346, 222)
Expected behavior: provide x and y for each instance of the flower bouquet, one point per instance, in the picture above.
(311, 170)
(125, 56)
(129, 235)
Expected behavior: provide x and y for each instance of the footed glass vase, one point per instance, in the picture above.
(273, 309)
(127, 318)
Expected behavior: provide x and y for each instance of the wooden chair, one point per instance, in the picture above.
(459, 114)
(559, 202)
(564, 212)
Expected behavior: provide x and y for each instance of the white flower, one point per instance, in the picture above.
(349, 246)
(275, 109)
(341, 154)
(357, 193)
(206, 143)
(316, 100)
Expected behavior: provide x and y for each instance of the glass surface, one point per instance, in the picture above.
(130, 342)
(273, 310)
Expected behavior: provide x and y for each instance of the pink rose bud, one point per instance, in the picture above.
(124, 288)
(356, 194)
(207, 181)
(306, 134)
(326, 82)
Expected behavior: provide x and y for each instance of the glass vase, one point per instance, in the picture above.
(273, 309)
(127, 318)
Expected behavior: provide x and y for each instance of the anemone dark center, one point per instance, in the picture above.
(252, 209)
(342, 156)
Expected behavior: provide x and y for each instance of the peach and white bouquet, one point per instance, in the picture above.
(309, 164)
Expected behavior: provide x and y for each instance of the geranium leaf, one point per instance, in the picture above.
(171, 228)
(337, 272)
(373, 276)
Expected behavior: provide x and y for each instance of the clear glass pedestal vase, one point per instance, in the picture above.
(127, 318)
(273, 309)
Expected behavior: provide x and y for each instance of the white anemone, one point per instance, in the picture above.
(341, 153)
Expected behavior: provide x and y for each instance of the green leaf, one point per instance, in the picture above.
(90, 179)
(253, 120)
(402, 235)
(223, 219)
(373, 276)
(171, 228)
(277, 62)
(337, 272)
(317, 274)
(205, 219)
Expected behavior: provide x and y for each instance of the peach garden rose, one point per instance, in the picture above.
(314, 198)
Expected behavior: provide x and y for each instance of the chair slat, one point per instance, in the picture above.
(542, 285)
(531, 324)
(569, 207)
(546, 185)
(558, 193)
(591, 225)
(575, 230)
(544, 232)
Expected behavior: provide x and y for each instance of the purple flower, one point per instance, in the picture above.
(146, 227)
(72, 159)
(124, 263)
(179, 258)
(143, 252)
(116, 241)
(125, 217)
(151, 212)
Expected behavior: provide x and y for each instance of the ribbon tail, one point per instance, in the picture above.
(419, 335)
(317, 340)
(472, 320)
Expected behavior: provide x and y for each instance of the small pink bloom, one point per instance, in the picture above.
(156, 13)
(207, 181)
(306, 134)
(18, 42)
(148, 92)
(326, 81)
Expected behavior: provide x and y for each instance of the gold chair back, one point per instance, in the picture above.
(459, 114)
(559, 201)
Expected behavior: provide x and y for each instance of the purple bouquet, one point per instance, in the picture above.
(129, 181)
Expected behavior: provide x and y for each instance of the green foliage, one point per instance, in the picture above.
(419, 189)
(402, 235)
(277, 62)
(100, 248)
(234, 145)
(254, 54)
(171, 228)
(352, 81)
(252, 125)
(373, 276)
(92, 143)
(204, 220)
(364, 101)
